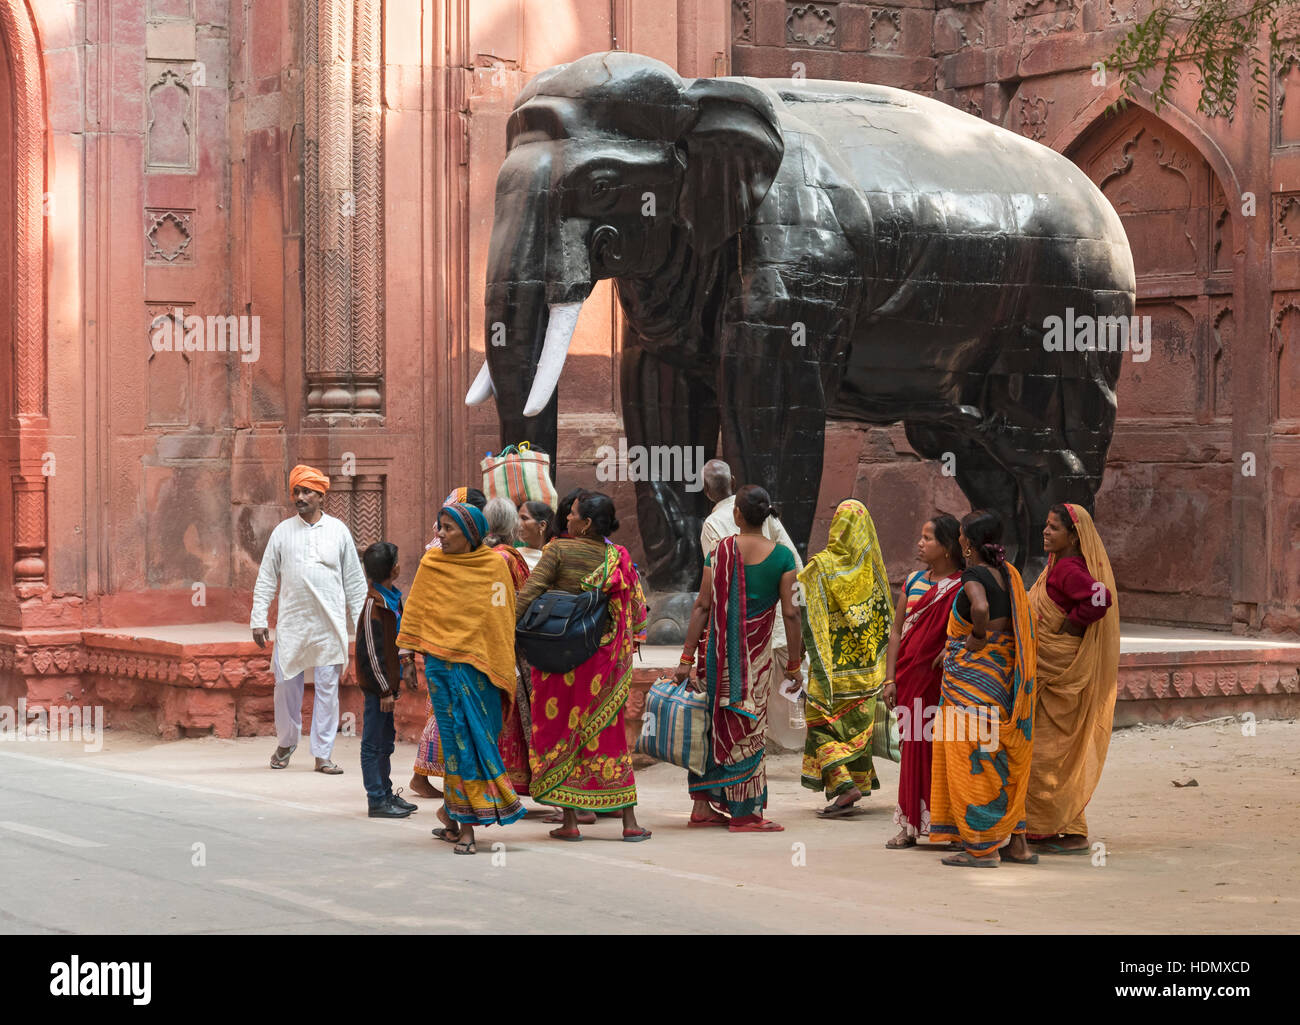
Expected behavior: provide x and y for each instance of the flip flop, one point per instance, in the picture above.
(636, 835)
(468, 847)
(560, 834)
(715, 820)
(838, 811)
(329, 769)
(964, 860)
(765, 826)
(447, 835)
(1047, 847)
(279, 761)
(893, 846)
(1004, 856)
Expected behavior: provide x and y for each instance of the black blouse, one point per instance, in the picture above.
(998, 598)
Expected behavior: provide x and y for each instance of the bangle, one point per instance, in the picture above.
(792, 667)
(687, 660)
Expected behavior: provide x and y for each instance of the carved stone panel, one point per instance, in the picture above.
(1033, 115)
(742, 21)
(168, 388)
(1286, 95)
(811, 25)
(360, 503)
(886, 28)
(1286, 220)
(1221, 357)
(170, 138)
(168, 234)
(959, 28)
(1033, 18)
(1286, 350)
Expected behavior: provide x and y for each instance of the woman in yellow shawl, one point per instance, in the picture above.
(847, 616)
(983, 734)
(460, 616)
(1077, 625)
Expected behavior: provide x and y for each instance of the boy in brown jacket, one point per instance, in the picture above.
(379, 670)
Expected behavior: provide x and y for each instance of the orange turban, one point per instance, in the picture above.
(308, 477)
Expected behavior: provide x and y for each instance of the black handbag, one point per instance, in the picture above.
(560, 631)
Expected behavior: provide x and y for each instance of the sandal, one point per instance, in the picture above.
(636, 835)
(839, 811)
(585, 818)
(328, 767)
(447, 835)
(468, 847)
(1048, 847)
(1004, 856)
(281, 761)
(713, 820)
(761, 826)
(965, 860)
(573, 836)
(894, 844)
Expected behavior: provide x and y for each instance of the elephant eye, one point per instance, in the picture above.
(601, 186)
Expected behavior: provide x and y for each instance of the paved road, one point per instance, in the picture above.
(106, 842)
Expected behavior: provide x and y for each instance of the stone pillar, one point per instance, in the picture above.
(343, 183)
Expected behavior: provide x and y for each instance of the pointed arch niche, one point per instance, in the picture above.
(1176, 214)
(22, 303)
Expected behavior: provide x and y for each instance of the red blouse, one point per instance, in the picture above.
(1071, 586)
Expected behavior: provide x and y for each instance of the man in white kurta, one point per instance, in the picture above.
(311, 559)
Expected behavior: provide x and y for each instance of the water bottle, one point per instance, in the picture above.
(797, 721)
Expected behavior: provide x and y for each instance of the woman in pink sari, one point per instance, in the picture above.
(580, 755)
(914, 669)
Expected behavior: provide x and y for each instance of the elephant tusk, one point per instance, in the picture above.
(559, 332)
(482, 389)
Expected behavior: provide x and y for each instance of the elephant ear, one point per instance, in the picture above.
(733, 150)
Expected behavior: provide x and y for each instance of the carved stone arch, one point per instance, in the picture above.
(27, 298)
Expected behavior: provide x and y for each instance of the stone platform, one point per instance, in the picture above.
(200, 679)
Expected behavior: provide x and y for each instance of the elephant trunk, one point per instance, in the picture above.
(538, 277)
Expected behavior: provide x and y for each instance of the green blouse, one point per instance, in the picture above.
(763, 579)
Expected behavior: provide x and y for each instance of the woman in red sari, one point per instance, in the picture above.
(581, 759)
(914, 673)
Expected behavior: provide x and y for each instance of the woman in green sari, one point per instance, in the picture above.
(847, 616)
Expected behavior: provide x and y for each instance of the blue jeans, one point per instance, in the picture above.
(378, 736)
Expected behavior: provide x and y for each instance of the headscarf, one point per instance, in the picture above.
(462, 609)
(847, 610)
(308, 477)
(460, 494)
(470, 521)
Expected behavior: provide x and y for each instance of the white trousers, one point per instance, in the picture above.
(324, 712)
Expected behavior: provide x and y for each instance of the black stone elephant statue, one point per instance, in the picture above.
(786, 251)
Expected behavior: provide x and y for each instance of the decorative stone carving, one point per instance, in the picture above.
(742, 21)
(359, 502)
(811, 25)
(1286, 351)
(1220, 399)
(886, 28)
(1122, 11)
(1044, 17)
(1033, 116)
(1286, 220)
(168, 386)
(170, 141)
(343, 202)
(168, 235)
(1286, 86)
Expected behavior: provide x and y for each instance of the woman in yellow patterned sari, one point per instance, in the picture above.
(983, 734)
(847, 616)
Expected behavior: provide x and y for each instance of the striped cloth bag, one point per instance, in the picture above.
(519, 474)
(675, 726)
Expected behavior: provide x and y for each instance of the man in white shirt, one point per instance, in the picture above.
(311, 559)
(720, 487)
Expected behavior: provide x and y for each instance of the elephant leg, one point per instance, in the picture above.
(774, 421)
(673, 414)
(984, 482)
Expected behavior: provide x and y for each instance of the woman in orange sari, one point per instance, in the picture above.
(983, 735)
(581, 759)
(1077, 625)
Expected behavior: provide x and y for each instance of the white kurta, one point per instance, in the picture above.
(322, 587)
(722, 523)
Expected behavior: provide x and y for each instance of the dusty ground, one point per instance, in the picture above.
(114, 832)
